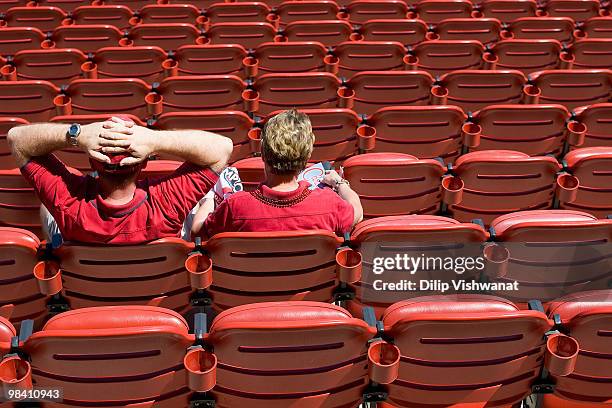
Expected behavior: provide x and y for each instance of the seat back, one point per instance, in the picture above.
(120, 355)
(527, 55)
(289, 354)
(434, 11)
(573, 88)
(29, 100)
(19, 205)
(591, 53)
(134, 5)
(203, 92)
(290, 57)
(220, 59)
(15, 39)
(249, 35)
(507, 11)
(498, 182)
(115, 15)
(578, 10)
(87, 38)
(440, 56)
(598, 121)
(597, 27)
(485, 30)
(167, 36)
(369, 56)
(168, 13)
(328, 32)
(395, 183)
(6, 5)
(538, 28)
(251, 172)
(58, 66)
(43, 18)
(464, 349)
(536, 130)
(407, 32)
(7, 332)
(240, 12)
(67, 5)
(142, 62)
(6, 158)
(360, 11)
(290, 11)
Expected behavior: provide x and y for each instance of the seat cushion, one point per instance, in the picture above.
(572, 305)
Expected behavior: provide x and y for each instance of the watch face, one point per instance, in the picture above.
(74, 130)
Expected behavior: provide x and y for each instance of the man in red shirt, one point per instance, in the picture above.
(116, 207)
(281, 203)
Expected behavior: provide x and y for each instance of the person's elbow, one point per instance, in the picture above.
(13, 136)
(226, 147)
(357, 214)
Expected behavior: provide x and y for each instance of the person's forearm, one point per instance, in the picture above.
(203, 148)
(351, 197)
(206, 207)
(36, 140)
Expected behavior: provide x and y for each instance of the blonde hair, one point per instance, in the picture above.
(286, 142)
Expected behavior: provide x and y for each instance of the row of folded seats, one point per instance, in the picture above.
(171, 36)
(460, 351)
(550, 253)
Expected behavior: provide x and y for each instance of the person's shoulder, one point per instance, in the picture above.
(239, 197)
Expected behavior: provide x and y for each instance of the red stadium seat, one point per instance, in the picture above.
(233, 124)
(205, 92)
(536, 130)
(220, 59)
(43, 18)
(30, 100)
(485, 30)
(111, 96)
(593, 53)
(395, 183)
(302, 90)
(249, 35)
(117, 16)
(440, 56)
(538, 28)
(407, 32)
(426, 132)
(435, 235)
(377, 89)
(369, 56)
(159, 168)
(242, 12)
(87, 38)
(19, 205)
(289, 57)
(572, 88)
(200, 4)
(593, 168)
(464, 350)
(19, 296)
(251, 172)
(319, 349)
(58, 66)
(434, 11)
(142, 62)
(328, 32)
(167, 36)
(67, 5)
(496, 182)
(335, 133)
(360, 11)
(552, 253)
(6, 158)
(586, 316)
(15, 39)
(473, 90)
(168, 13)
(273, 266)
(7, 332)
(5, 5)
(597, 27)
(132, 4)
(526, 56)
(597, 119)
(578, 10)
(507, 11)
(310, 10)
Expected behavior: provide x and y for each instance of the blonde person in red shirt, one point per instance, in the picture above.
(281, 203)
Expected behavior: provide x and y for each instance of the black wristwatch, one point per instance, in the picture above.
(73, 133)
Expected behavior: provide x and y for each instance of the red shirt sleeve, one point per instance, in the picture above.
(345, 215)
(218, 221)
(179, 192)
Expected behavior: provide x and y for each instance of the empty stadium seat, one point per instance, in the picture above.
(328, 32)
(67, 5)
(19, 297)
(5, 5)
(15, 39)
(593, 53)
(471, 350)
(441, 56)
(369, 56)
(168, 36)
(414, 235)
(168, 13)
(474, 89)
(30, 100)
(6, 123)
(507, 11)
(117, 15)
(526, 56)
(143, 62)
(7, 333)
(597, 119)
(571, 88)
(239, 12)
(538, 28)
(551, 253)
(395, 183)
(205, 92)
(423, 131)
(434, 11)
(132, 4)
(374, 90)
(593, 168)
(485, 30)
(58, 66)
(19, 205)
(272, 92)
(407, 32)
(536, 130)
(290, 11)
(360, 11)
(251, 172)
(586, 316)
(496, 182)
(219, 59)
(249, 35)
(597, 27)
(288, 57)
(87, 38)
(578, 10)
(43, 18)
(233, 124)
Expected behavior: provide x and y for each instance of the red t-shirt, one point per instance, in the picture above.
(268, 210)
(157, 210)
